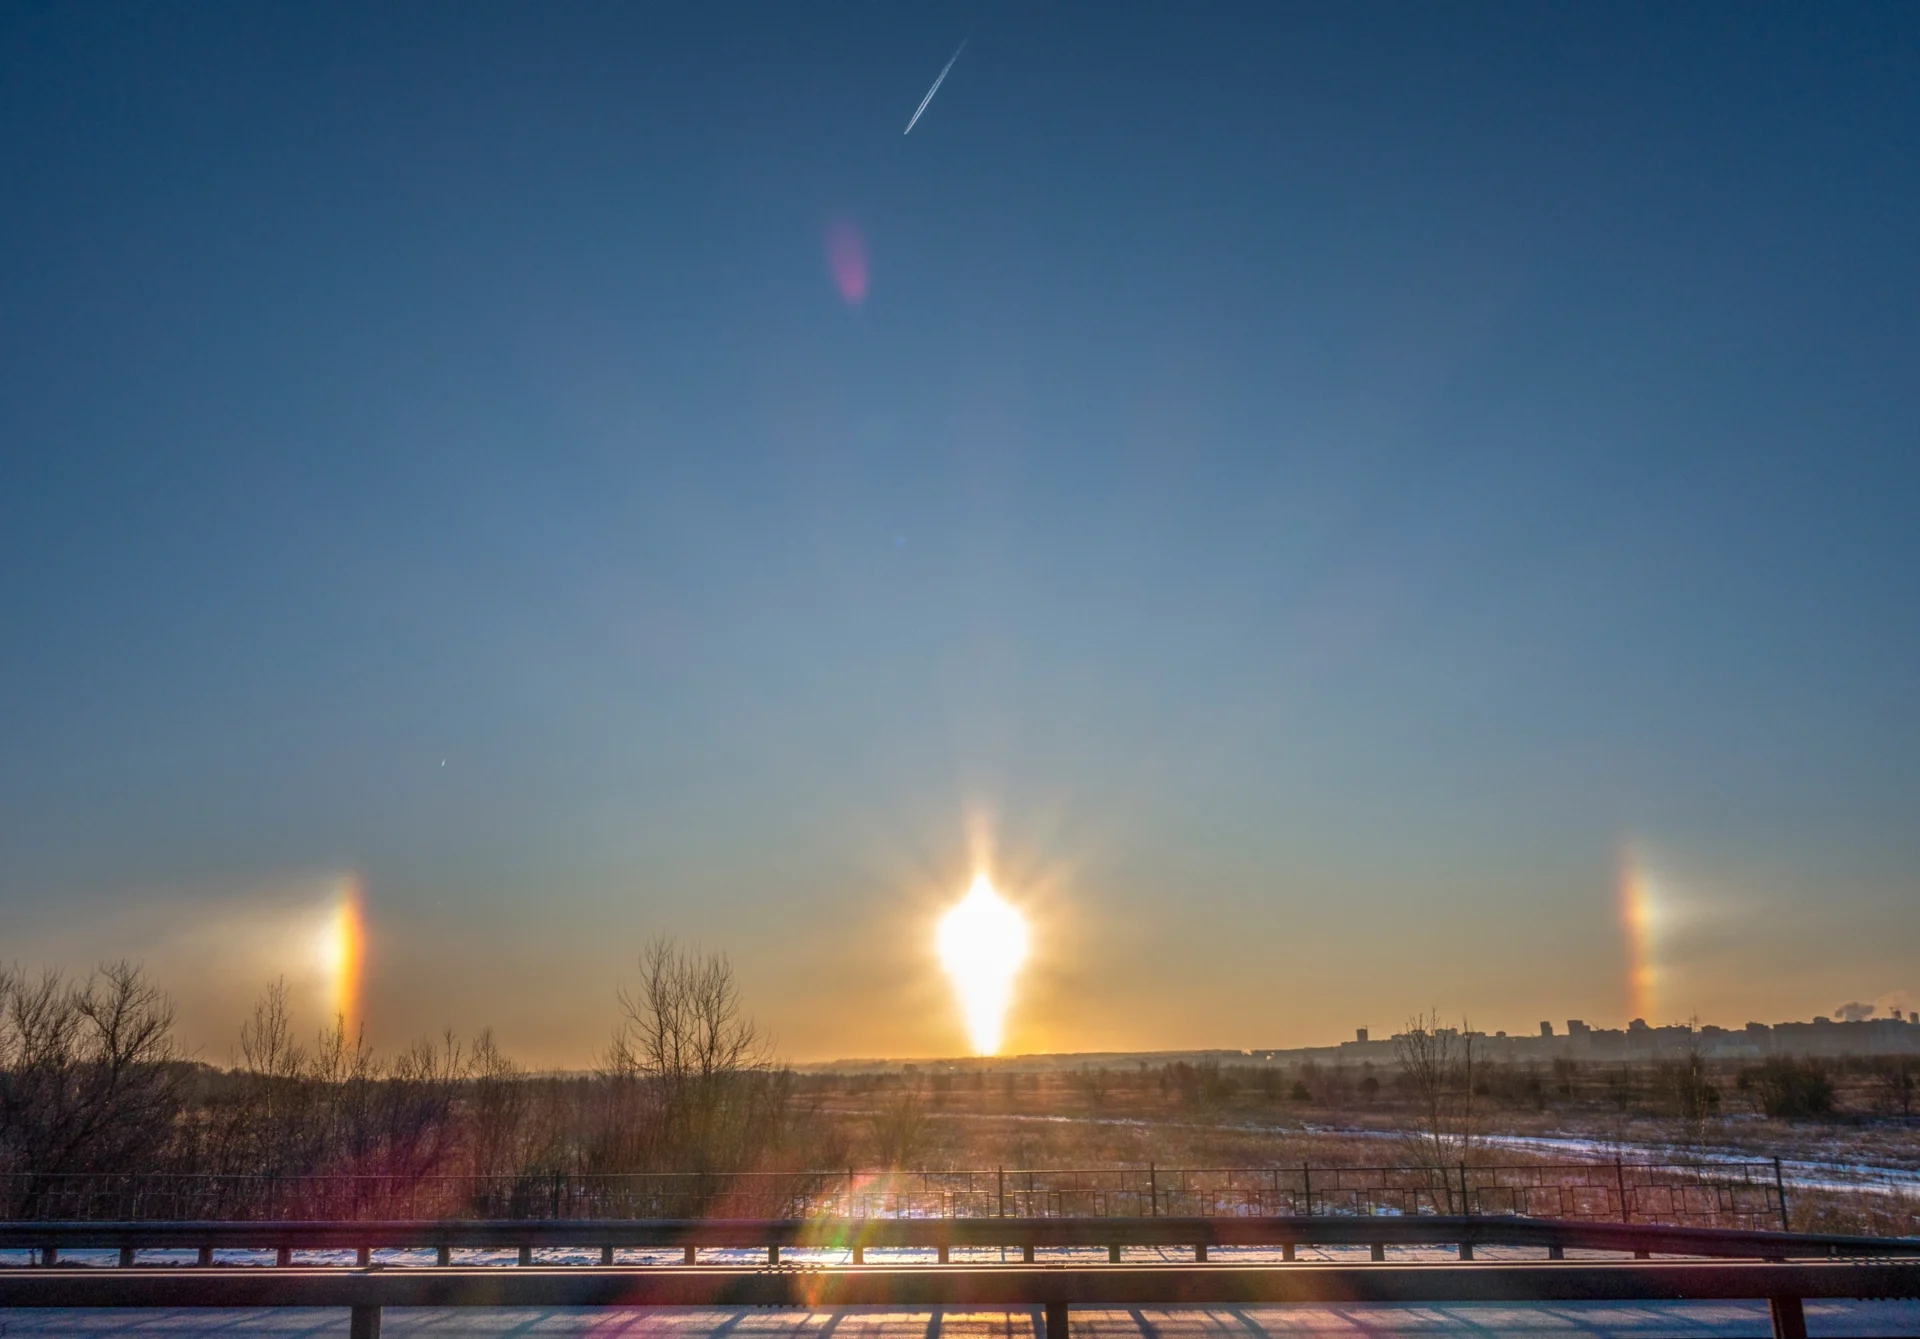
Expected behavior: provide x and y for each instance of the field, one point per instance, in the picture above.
(1855, 1167)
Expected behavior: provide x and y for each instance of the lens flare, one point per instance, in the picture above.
(341, 947)
(983, 943)
(847, 260)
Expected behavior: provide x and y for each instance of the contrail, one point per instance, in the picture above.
(936, 85)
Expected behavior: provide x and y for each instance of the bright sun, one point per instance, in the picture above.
(983, 942)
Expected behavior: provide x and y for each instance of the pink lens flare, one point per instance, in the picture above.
(847, 259)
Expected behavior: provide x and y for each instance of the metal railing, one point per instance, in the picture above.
(1740, 1195)
(852, 1237)
(1049, 1290)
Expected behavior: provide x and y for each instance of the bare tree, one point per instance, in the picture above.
(1686, 1085)
(898, 1127)
(685, 1026)
(1438, 1066)
(691, 1085)
(90, 1083)
(417, 1104)
(497, 1108)
(1896, 1081)
(267, 1046)
(87, 1075)
(271, 1127)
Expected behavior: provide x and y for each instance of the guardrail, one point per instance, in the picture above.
(1052, 1290)
(942, 1235)
(1748, 1194)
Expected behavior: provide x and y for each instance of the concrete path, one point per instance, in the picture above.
(1682, 1320)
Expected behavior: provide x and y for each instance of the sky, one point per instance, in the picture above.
(1336, 509)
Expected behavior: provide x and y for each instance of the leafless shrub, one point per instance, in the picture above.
(1895, 1084)
(689, 1084)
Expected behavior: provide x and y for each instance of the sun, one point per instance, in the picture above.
(983, 944)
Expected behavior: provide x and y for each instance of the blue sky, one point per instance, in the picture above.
(1309, 494)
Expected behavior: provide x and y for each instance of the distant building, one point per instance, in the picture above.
(1546, 1029)
(1359, 1034)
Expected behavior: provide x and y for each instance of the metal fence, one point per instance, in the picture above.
(1720, 1195)
(1746, 1195)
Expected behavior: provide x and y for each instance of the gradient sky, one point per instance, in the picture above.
(1338, 508)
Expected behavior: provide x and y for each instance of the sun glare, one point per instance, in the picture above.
(983, 943)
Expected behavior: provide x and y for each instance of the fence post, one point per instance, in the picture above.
(365, 1323)
(1000, 1188)
(849, 1192)
(1056, 1322)
(1620, 1180)
(1789, 1317)
(1780, 1189)
(1466, 1205)
(1306, 1185)
(1153, 1189)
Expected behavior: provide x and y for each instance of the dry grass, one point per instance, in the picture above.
(981, 1116)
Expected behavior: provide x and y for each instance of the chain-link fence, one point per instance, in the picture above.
(1748, 1194)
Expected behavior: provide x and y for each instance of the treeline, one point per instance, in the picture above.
(1683, 1088)
(95, 1097)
